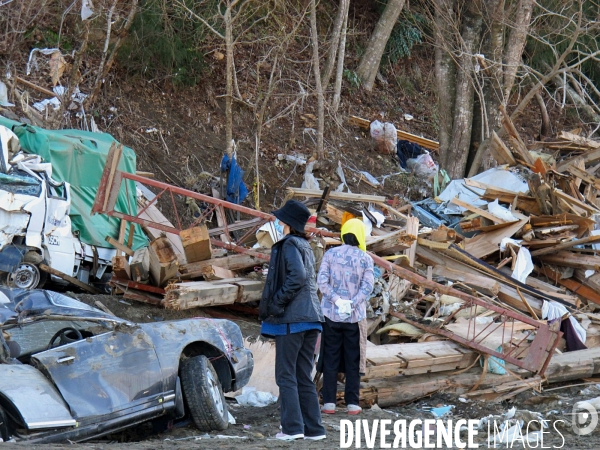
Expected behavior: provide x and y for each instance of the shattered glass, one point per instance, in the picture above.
(18, 182)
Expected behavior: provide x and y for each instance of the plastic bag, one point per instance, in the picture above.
(251, 397)
(385, 136)
(423, 165)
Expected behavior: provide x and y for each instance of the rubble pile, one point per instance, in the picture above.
(485, 290)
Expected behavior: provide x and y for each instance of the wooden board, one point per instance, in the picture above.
(481, 283)
(500, 151)
(412, 229)
(216, 273)
(299, 192)
(391, 242)
(238, 261)
(477, 210)
(249, 290)
(153, 214)
(416, 358)
(572, 259)
(487, 243)
(199, 294)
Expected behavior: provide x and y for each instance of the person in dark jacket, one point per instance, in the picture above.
(291, 312)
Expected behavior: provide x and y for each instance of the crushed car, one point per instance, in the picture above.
(71, 372)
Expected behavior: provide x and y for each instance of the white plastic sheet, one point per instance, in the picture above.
(251, 397)
(498, 177)
(523, 266)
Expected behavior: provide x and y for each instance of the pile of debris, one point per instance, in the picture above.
(487, 288)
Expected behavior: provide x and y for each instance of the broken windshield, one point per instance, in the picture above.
(19, 182)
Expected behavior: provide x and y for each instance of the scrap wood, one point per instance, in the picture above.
(574, 260)
(70, 279)
(575, 204)
(519, 147)
(134, 292)
(299, 192)
(488, 243)
(118, 245)
(583, 291)
(507, 390)
(423, 142)
(544, 342)
(416, 358)
(391, 242)
(396, 390)
(199, 294)
(477, 210)
(237, 261)
(565, 245)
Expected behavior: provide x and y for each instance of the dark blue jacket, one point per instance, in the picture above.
(290, 293)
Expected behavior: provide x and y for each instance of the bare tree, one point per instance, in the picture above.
(341, 21)
(317, 71)
(230, 12)
(340, 68)
(369, 62)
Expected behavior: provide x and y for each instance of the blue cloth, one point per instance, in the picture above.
(281, 329)
(236, 189)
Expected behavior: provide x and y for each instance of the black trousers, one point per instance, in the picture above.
(341, 341)
(299, 402)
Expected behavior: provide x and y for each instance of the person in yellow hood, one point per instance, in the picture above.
(346, 281)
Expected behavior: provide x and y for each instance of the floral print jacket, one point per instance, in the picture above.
(346, 273)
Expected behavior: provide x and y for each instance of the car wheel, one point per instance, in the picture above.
(4, 430)
(203, 394)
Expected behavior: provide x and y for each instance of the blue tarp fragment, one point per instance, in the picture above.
(236, 189)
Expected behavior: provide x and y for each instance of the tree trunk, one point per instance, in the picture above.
(546, 128)
(334, 42)
(516, 44)
(463, 106)
(340, 68)
(319, 88)
(445, 73)
(369, 63)
(229, 82)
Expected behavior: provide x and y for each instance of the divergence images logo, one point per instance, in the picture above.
(585, 418)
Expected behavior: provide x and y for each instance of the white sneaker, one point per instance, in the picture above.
(354, 409)
(288, 437)
(328, 408)
(315, 438)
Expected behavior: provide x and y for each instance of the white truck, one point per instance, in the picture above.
(35, 227)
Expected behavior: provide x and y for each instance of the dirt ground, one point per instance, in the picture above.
(255, 428)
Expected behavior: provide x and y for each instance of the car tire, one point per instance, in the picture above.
(4, 429)
(203, 394)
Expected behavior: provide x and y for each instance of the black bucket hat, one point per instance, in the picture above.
(294, 214)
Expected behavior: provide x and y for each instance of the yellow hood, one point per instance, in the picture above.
(357, 228)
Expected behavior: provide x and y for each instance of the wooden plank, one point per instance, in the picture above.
(518, 144)
(565, 245)
(249, 290)
(70, 279)
(571, 201)
(299, 192)
(500, 151)
(216, 273)
(153, 214)
(199, 294)
(119, 246)
(423, 142)
(391, 242)
(485, 186)
(412, 229)
(477, 210)
(488, 243)
(583, 291)
(238, 261)
(481, 283)
(163, 261)
(583, 175)
(574, 260)
(140, 265)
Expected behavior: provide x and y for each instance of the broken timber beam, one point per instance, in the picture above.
(70, 279)
(565, 245)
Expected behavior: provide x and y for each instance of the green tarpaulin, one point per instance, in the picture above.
(78, 157)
